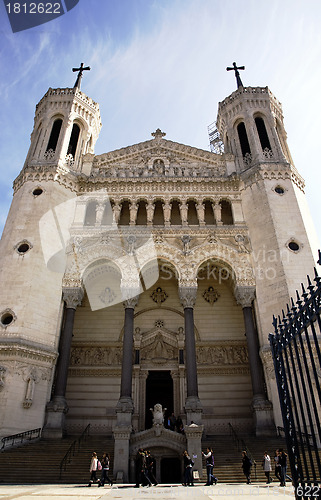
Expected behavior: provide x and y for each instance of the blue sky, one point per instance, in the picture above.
(161, 63)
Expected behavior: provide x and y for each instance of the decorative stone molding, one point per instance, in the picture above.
(159, 295)
(211, 295)
(244, 295)
(222, 354)
(3, 371)
(72, 297)
(187, 296)
(14, 349)
(95, 356)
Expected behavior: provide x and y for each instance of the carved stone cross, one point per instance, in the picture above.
(237, 74)
(80, 72)
(158, 134)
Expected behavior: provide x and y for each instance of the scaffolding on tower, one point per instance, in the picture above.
(216, 143)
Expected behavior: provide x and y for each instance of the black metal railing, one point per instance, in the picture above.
(242, 446)
(20, 438)
(73, 449)
(296, 355)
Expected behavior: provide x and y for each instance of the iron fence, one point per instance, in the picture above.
(297, 362)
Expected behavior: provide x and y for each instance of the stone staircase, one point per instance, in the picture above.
(40, 462)
(228, 459)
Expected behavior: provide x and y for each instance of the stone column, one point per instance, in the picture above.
(167, 210)
(200, 208)
(133, 213)
(193, 405)
(125, 406)
(262, 408)
(99, 213)
(217, 209)
(184, 211)
(116, 212)
(150, 209)
(193, 435)
(57, 407)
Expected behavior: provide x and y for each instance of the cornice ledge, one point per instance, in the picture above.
(25, 349)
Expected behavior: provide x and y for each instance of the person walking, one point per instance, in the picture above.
(105, 463)
(267, 467)
(93, 469)
(246, 466)
(277, 466)
(209, 456)
(283, 460)
(188, 464)
(150, 461)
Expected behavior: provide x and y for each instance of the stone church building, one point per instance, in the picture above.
(149, 275)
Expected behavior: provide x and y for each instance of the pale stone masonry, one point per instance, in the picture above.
(149, 275)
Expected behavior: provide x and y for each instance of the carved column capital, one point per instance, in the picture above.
(187, 296)
(72, 297)
(130, 301)
(244, 295)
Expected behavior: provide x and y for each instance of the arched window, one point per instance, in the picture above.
(158, 214)
(107, 218)
(90, 217)
(124, 214)
(176, 219)
(226, 214)
(73, 140)
(141, 219)
(245, 146)
(192, 218)
(209, 214)
(261, 130)
(54, 136)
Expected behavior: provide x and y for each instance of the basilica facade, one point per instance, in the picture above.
(149, 275)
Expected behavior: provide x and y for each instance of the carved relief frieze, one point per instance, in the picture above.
(159, 295)
(95, 356)
(210, 295)
(159, 351)
(222, 354)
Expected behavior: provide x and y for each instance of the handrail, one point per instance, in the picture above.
(244, 447)
(305, 436)
(21, 436)
(72, 450)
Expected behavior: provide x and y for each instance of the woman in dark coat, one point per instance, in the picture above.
(246, 466)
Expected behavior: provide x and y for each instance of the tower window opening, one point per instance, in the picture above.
(226, 214)
(244, 142)
(54, 136)
(37, 191)
(7, 318)
(73, 140)
(261, 130)
(294, 246)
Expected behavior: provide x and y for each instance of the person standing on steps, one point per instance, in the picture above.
(105, 463)
(246, 466)
(209, 456)
(93, 469)
(267, 467)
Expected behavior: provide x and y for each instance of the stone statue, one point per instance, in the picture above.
(158, 414)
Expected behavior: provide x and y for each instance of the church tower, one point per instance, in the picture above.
(283, 245)
(66, 127)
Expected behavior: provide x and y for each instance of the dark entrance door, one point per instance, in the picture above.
(171, 470)
(159, 389)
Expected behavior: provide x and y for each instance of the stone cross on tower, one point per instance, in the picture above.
(80, 72)
(237, 74)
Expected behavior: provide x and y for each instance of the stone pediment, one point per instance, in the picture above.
(159, 158)
(159, 346)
